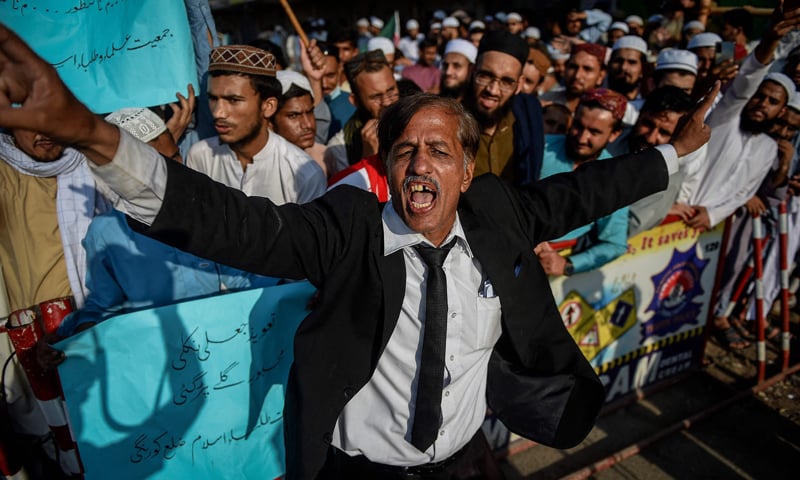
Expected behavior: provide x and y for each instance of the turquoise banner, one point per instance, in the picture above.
(192, 390)
(111, 53)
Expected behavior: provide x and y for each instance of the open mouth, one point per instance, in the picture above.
(421, 196)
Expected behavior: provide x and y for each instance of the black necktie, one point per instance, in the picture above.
(428, 404)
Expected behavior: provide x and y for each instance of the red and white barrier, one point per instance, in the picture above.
(784, 265)
(758, 261)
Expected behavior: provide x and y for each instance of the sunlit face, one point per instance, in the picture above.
(531, 78)
(330, 75)
(653, 129)
(767, 103)
(240, 115)
(295, 121)
(514, 26)
(625, 69)
(678, 78)
(347, 50)
(37, 146)
(455, 70)
(786, 125)
(706, 56)
(375, 91)
(475, 37)
(505, 72)
(583, 72)
(427, 174)
(591, 130)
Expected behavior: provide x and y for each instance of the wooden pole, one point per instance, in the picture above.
(295, 23)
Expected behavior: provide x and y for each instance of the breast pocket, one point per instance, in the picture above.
(487, 322)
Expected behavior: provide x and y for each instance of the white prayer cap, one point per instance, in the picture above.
(677, 59)
(620, 26)
(362, 22)
(436, 26)
(142, 123)
(477, 25)
(705, 39)
(783, 81)
(381, 43)
(556, 54)
(513, 17)
(412, 25)
(634, 19)
(451, 22)
(694, 25)
(501, 17)
(464, 47)
(376, 22)
(657, 18)
(532, 32)
(634, 42)
(439, 14)
(794, 102)
(289, 78)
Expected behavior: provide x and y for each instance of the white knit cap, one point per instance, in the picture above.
(477, 25)
(142, 123)
(439, 14)
(620, 26)
(436, 26)
(705, 39)
(501, 17)
(376, 22)
(794, 102)
(634, 19)
(694, 25)
(289, 78)
(657, 18)
(532, 32)
(677, 59)
(451, 22)
(362, 22)
(464, 47)
(634, 42)
(412, 25)
(783, 81)
(381, 43)
(513, 17)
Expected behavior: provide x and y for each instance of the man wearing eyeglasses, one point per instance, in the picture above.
(373, 89)
(511, 126)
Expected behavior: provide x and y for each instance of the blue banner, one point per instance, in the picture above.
(111, 53)
(191, 390)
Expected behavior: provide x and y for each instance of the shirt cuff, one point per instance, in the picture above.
(670, 157)
(138, 175)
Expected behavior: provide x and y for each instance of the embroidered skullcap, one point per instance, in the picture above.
(634, 42)
(513, 17)
(794, 102)
(705, 39)
(505, 42)
(362, 22)
(694, 25)
(593, 49)
(287, 78)
(540, 60)
(381, 43)
(634, 19)
(436, 26)
(783, 81)
(376, 22)
(412, 25)
(477, 26)
(532, 32)
(677, 59)
(620, 26)
(608, 99)
(142, 123)
(451, 22)
(439, 14)
(242, 59)
(464, 47)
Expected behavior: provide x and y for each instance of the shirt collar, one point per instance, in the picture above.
(397, 235)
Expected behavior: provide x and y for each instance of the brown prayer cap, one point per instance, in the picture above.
(539, 60)
(242, 59)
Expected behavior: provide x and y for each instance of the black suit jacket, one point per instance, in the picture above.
(539, 384)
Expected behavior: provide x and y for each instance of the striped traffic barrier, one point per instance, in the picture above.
(784, 266)
(758, 261)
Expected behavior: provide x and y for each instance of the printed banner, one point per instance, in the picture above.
(111, 53)
(191, 390)
(655, 295)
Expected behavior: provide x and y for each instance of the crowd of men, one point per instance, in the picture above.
(294, 122)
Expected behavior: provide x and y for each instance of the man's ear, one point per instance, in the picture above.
(468, 175)
(268, 107)
(353, 100)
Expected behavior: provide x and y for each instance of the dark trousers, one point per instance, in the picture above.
(474, 461)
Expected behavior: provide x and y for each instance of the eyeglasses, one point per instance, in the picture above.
(370, 61)
(385, 98)
(484, 79)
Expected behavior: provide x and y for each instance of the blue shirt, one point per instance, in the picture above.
(600, 241)
(128, 271)
(341, 111)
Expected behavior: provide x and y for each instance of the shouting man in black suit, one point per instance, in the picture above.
(431, 307)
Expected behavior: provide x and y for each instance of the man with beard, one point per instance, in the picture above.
(458, 62)
(626, 71)
(740, 152)
(657, 121)
(512, 142)
(243, 95)
(585, 70)
(597, 122)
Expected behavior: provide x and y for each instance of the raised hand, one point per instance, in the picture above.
(692, 132)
